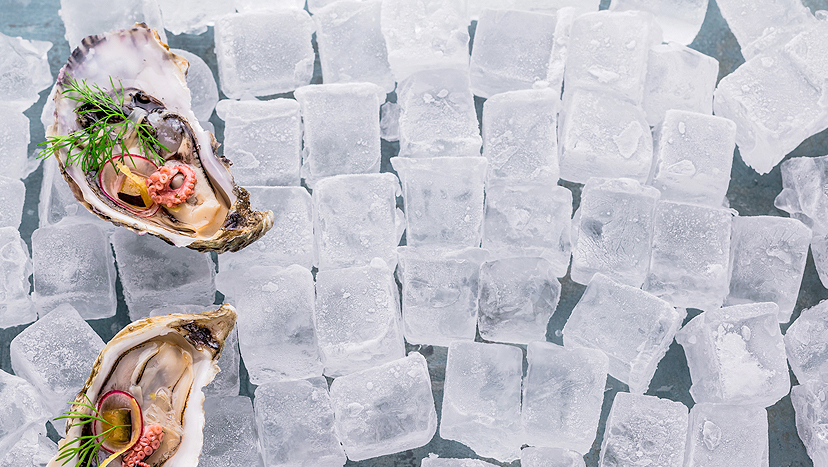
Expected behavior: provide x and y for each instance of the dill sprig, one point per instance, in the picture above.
(107, 130)
(86, 447)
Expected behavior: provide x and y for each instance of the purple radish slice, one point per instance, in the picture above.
(123, 423)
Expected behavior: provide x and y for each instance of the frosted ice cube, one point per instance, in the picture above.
(54, 354)
(230, 432)
(529, 220)
(22, 404)
(192, 16)
(341, 129)
(819, 249)
(15, 269)
(351, 45)
(679, 78)
(736, 355)
(28, 447)
(443, 200)
(385, 409)
(764, 25)
(631, 326)
(474, 412)
(12, 196)
(276, 335)
(73, 264)
(608, 52)
(244, 6)
(425, 34)
(690, 255)
(227, 382)
(581, 6)
(264, 140)
(560, 47)
(495, 67)
(25, 72)
(644, 430)
(808, 51)
(356, 219)
(550, 457)
(810, 403)
(804, 195)
(562, 395)
(694, 157)
(614, 231)
(390, 121)
(357, 318)
(14, 140)
(202, 85)
(603, 136)
(446, 462)
(154, 273)
(439, 293)
(806, 344)
(517, 298)
(118, 14)
(768, 256)
(519, 136)
(57, 201)
(680, 19)
(289, 241)
(727, 436)
(437, 116)
(264, 52)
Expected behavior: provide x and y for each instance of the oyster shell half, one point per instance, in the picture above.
(138, 85)
(162, 362)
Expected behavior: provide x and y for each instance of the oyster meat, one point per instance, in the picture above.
(134, 153)
(153, 370)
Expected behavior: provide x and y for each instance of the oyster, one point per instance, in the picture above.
(134, 153)
(149, 378)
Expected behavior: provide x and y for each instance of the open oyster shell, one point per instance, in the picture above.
(148, 84)
(162, 362)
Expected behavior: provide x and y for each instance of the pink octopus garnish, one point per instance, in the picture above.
(171, 185)
(149, 442)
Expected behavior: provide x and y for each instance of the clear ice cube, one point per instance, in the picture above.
(727, 436)
(550, 457)
(811, 406)
(12, 196)
(230, 436)
(806, 344)
(15, 268)
(804, 195)
(14, 140)
(25, 72)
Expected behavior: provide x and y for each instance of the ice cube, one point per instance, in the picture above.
(25, 72)
(230, 432)
(27, 447)
(15, 269)
(768, 256)
(14, 139)
(560, 47)
(680, 19)
(764, 25)
(495, 67)
(690, 258)
(351, 45)
(357, 318)
(529, 220)
(736, 355)
(603, 136)
(727, 436)
(446, 462)
(192, 16)
(73, 264)
(55, 354)
(22, 404)
(679, 78)
(581, 6)
(264, 140)
(83, 18)
(12, 196)
(631, 326)
(439, 293)
(390, 121)
(443, 200)
(804, 195)
(614, 231)
(806, 344)
(154, 274)
(385, 409)
(57, 201)
(644, 430)
(807, 51)
(811, 405)
(264, 52)
(227, 382)
(519, 136)
(562, 395)
(244, 6)
(341, 129)
(202, 85)
(517, 298)
(694, 157)
(481, 398)
(437, 116)
(356, 219)
(819, 249)
(550, 457)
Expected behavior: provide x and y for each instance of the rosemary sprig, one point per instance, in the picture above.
(107, 130)
(88, 446)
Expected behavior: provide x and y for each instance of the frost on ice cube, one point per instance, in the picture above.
(202, 86)
(736, 355)
(356, 219)
(690, 257)
(83, 18)
(804, 192)
(644, 430)
(437, 115)
(15, 269)
(264, 52)
(810, 401)
(680, 19)
(385, 409)
(14, 140)
(295, 421)
(808, 52)
(603, 136)
(764, 25)
(806, 344)
(633, 328)
(229, 432)
(694, 157)
(73, 264)
(24, 72)
(614, 231)
(517, 298)
(519, 136)
(495, 67)
(341, 129)
(768, 256)
(550, 457)
(439, 293)
(562, 395)
(12, 196)
(351, 45)
(264, 140)
(727, 436)
(443, 200)
(192, 16)
(357, 318)
(22, 404)
(481, 398)
(28, 446)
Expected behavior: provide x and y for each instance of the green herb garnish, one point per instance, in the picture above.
(85, 447)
